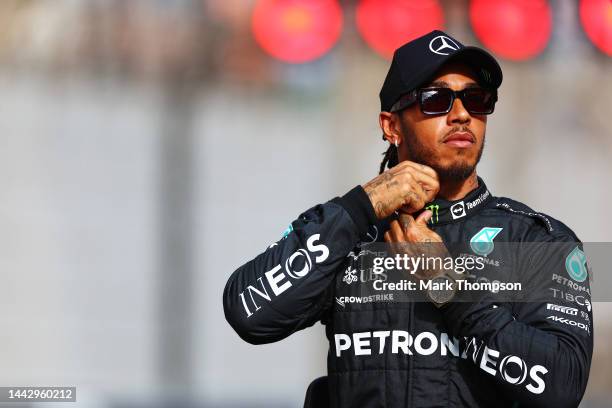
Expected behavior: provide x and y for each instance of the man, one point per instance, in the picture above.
(456, 349)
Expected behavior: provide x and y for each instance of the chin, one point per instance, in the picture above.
(456, 171)
(457, 163)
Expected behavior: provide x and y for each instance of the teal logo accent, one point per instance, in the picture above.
(288, 230)
(575, 264)
(482, 242)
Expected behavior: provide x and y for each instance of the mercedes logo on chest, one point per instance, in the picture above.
(442, 45)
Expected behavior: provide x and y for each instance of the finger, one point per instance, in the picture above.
(427, 184)
(430, 188)
(415, 199)
(424, 218)
(406, 221)
(422, 168)
(417, 170)
(396, 232)
(425, 174)
(423, 190)
(421, 195)
(389, 239)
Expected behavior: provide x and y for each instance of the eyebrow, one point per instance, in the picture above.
(443, 84)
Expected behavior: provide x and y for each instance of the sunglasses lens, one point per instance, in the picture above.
(479, 101)
(435, 101)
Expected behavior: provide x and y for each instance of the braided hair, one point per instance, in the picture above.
(390, 158)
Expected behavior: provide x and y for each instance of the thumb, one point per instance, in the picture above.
(424, 217)
(406, 221)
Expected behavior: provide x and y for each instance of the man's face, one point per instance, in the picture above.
(450, 143)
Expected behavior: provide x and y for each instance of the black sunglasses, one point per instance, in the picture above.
(437, 101)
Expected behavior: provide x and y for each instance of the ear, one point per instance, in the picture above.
(389, 124)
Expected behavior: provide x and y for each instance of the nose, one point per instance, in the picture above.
(458, 113)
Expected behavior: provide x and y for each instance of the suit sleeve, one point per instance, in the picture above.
(538, 351)
(289, 286)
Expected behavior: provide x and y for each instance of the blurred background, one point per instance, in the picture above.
(150, 147)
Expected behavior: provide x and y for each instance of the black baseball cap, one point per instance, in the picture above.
(416, 62)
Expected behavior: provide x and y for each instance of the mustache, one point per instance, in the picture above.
(456, 129)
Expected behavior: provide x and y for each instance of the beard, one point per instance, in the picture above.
(459, 170)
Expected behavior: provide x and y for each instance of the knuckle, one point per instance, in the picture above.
(402, 166)
(436, 186)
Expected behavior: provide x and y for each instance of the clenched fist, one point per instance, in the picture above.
(407, 229)
(414, 238)
(407, 185)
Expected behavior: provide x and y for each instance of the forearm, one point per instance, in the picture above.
(286, 288)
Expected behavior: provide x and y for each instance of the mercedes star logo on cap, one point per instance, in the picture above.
(442, 43)
(415, 63)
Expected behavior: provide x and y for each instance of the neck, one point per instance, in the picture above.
(456, 190)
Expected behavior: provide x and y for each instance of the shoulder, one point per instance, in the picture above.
(536, 223)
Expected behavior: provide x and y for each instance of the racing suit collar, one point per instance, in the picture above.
(445, 212)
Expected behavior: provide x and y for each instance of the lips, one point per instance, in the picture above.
(460, 140)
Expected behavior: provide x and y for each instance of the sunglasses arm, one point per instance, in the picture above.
(405, 101)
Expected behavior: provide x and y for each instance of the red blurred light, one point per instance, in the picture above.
(387, 24)
(513, 29)
(596, 18)
(297, 31)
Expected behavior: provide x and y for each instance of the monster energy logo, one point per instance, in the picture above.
(434, 208)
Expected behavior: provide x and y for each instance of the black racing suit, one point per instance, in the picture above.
(412, 354)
